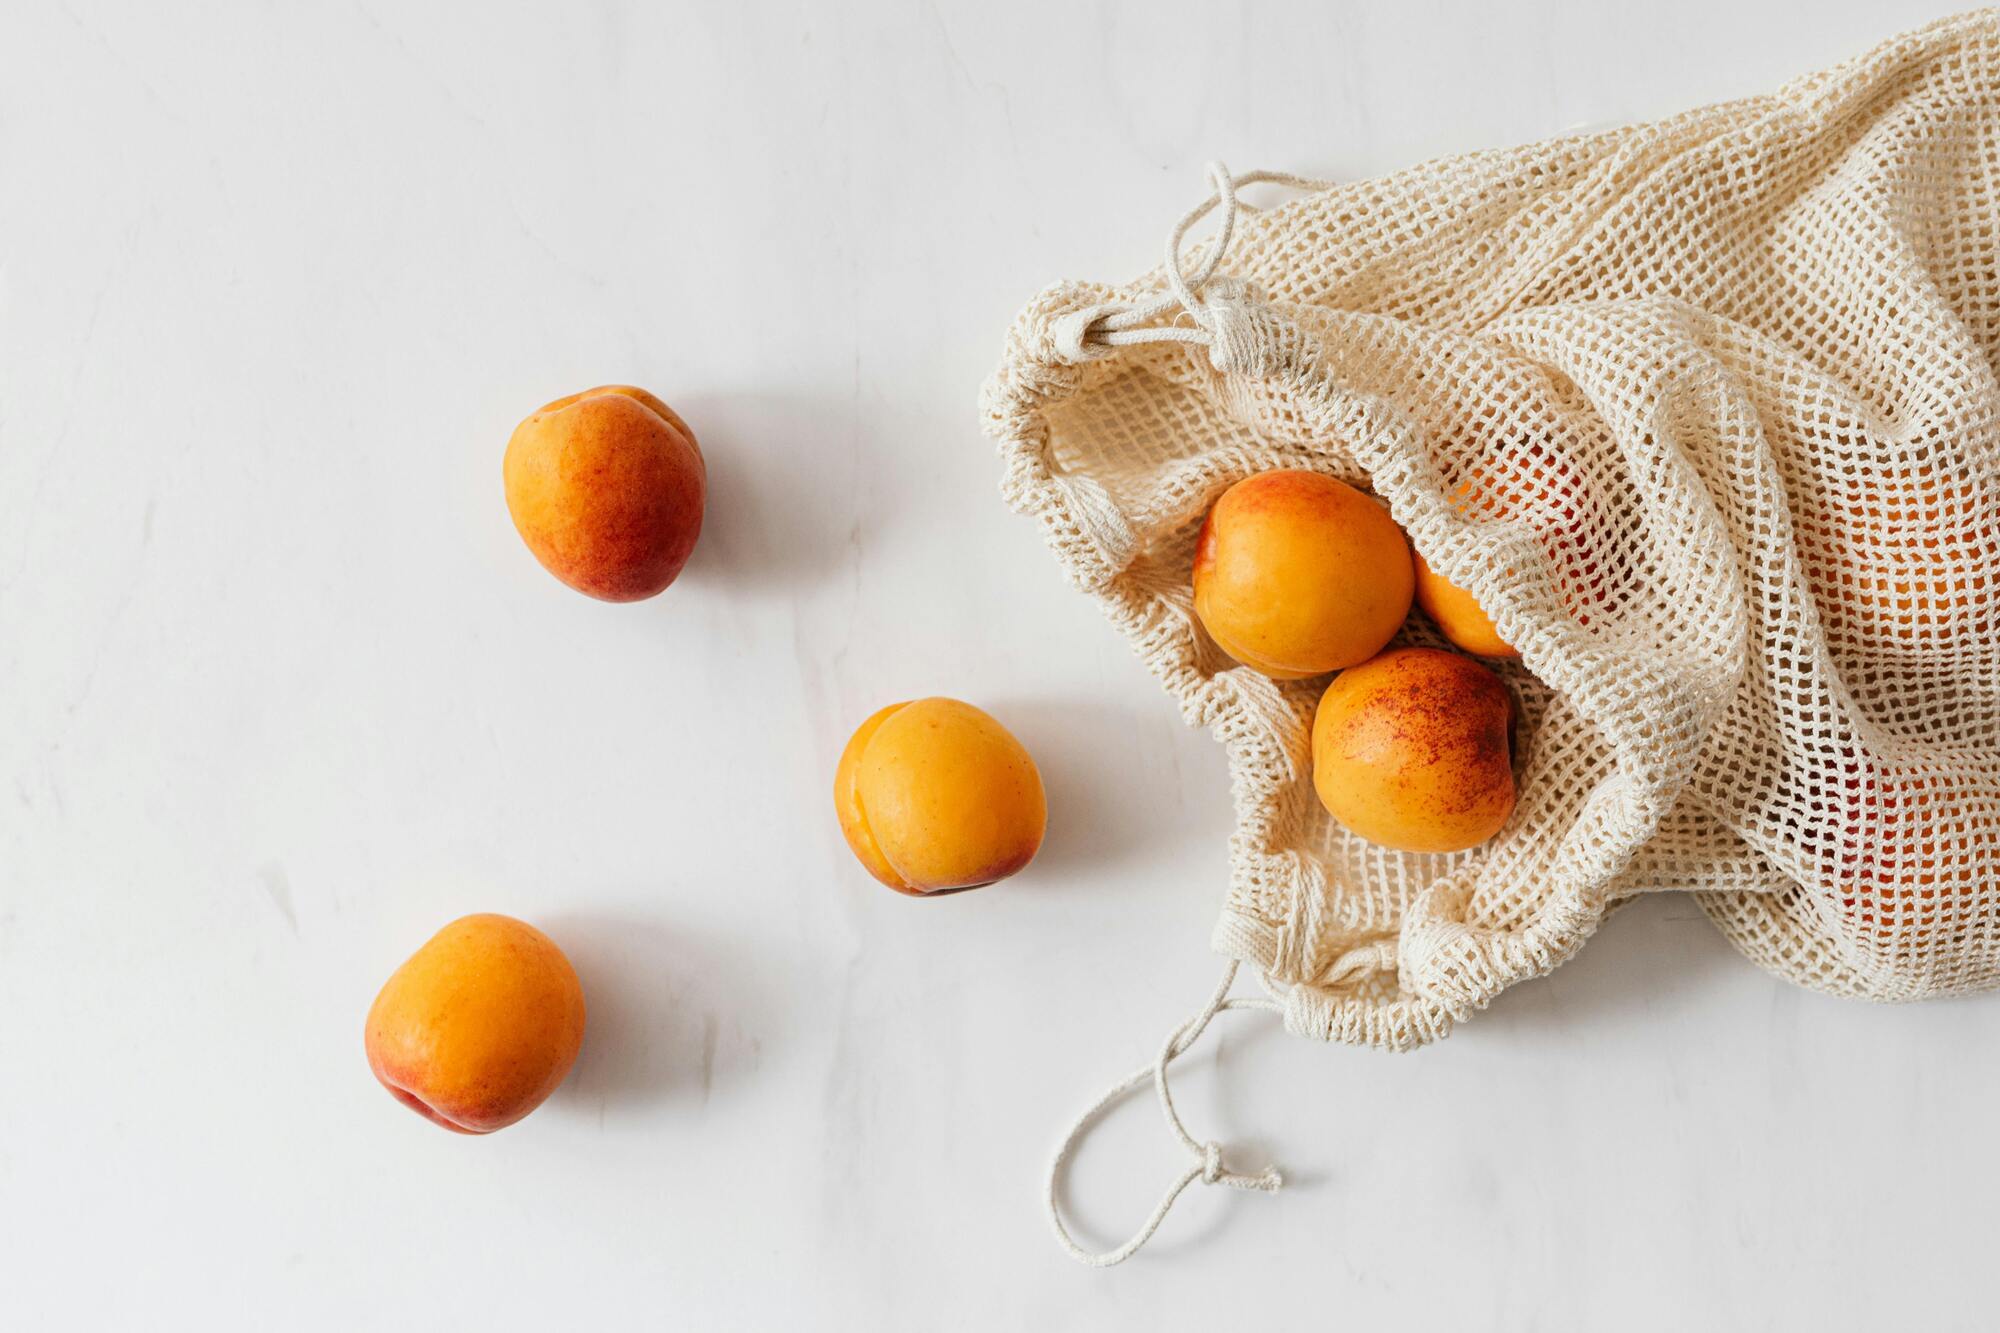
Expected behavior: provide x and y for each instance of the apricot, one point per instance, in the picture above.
(1914, 572)
(478, 1027)
(936, 796)
(1534, 482)
(1297, 573)
(1906, 862)
(607, 487)
(1458, 614)
(1411, 750)
(1537, 484)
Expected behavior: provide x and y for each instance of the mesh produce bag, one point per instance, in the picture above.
(1703, 413)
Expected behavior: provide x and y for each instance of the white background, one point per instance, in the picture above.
(281, 692)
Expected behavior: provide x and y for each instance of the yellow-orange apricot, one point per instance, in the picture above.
(607, 487)
(934, 795)
(1458, 614)
(478, 1027)
(1906, 567)
(1411, 750)
(1297, 573)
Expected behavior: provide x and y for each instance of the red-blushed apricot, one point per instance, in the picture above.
(479, 1026)
(934, 795)
(1297, 573)
(607, 487)
(1906, 861)
(1539, 485)
(1412, 750)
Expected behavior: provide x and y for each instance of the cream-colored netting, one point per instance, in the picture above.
(1725, 388)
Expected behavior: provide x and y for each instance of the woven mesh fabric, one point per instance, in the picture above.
(1703, 413)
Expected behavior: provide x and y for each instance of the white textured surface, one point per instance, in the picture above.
(280, 693)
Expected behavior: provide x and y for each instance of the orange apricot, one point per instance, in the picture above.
(479, 1026)
(607, 487)
(935, 796)
(1297, 573)
(1906, 863)
(1458, 614)
(1411, 750)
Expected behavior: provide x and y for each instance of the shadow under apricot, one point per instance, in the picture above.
(786, 480)
(1113, 784)
(673, 1013)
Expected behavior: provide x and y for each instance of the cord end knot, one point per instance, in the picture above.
(1207, 1165)
(1213, 1172)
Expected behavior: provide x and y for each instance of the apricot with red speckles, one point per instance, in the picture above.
(1413, 750)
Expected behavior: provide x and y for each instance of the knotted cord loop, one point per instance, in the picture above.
(1120, 325)
(1207, 1165)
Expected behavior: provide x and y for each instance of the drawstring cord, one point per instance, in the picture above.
(1080, 335)
(1207, 1165)
(1118, 325)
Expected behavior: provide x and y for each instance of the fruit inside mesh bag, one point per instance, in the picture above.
(1702, 415)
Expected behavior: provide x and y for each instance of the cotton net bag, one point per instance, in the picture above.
(1702, 413)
